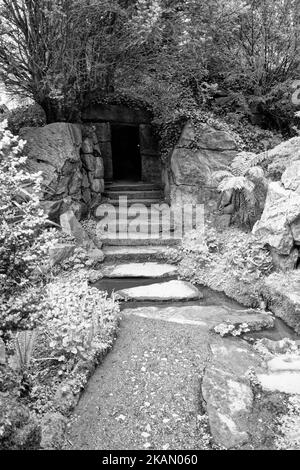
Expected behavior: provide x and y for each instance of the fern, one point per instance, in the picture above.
(256, 172)
(242, 163)
(247, 185)
(236, 183)
(218, 176)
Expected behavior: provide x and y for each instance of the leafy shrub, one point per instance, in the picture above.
(21, 311)
(77, 328)
(171, 129)
(76, 317)
(31, 115)
(19, 429)
(23, 244)
(255, 139)
(235, 263)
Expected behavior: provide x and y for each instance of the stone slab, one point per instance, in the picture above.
(203, 316)
(155, 270)
(284, 382)
(286, 362)
(165, 291)
(227, 392)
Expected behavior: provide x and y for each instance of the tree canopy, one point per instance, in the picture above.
(163, 51)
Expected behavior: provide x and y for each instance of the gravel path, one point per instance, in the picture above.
(145, 395)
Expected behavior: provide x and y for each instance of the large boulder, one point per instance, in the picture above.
(291, 177)
(54, 150)
(227, 391)
(279, 226)
(281, 210)
(195, 159)
(277, 160)
(282, 294)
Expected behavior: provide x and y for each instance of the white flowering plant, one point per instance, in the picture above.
(23, 243)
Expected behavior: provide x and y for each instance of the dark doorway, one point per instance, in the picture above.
(126, 152)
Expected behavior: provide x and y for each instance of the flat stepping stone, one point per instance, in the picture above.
(204, 316)
(227, 392)
(284, 382)
(171, 290)
(285, 362)
(147, 270)
(283, 375)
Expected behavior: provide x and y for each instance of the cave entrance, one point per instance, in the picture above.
(126, 155)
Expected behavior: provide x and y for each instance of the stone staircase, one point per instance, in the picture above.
(128, 242)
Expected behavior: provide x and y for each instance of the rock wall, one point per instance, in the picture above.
(92, 168)
(69, 158)
(193, 162)
(279, 226)
(281, 292)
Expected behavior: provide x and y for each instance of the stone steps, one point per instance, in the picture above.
(145, 229)
(141, 239)
(135, 253)
(135, 230)
(134, 186)
(139, 270)
(133, 194)
(145, 215)
(145, 201)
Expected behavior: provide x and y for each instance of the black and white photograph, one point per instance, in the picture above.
(149, 228)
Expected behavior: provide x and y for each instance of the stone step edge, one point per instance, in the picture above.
(141, 242)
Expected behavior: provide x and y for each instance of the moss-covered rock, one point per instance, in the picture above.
(281, 291)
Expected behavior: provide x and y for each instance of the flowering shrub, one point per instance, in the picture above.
(22, 243)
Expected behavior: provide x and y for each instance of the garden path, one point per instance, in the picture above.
(168, 383)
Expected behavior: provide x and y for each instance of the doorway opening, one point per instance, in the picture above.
(126, 152)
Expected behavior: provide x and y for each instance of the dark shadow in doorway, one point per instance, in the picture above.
(126, 152)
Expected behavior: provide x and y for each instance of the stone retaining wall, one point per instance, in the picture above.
(69, 158)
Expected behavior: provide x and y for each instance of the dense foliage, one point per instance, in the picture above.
(25, 116)
(236, 57)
